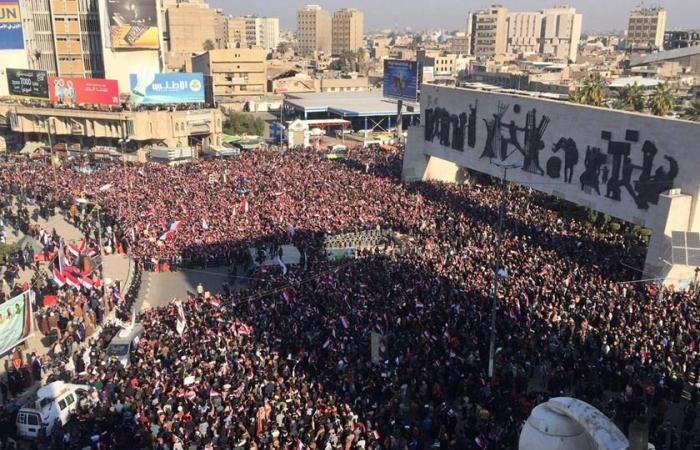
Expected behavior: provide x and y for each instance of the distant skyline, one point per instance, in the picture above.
(598, 15)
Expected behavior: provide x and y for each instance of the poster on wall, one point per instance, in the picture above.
(133, 24)
(165, 88)
(83, 91)
(400, 80)
(15, 321)
(10, 26)
(28, 83)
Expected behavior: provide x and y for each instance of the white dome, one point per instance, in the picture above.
(569, 424)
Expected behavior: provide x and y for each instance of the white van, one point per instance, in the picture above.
(55, 401)
(124, 342)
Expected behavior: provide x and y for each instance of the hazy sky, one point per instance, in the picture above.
(451, 14)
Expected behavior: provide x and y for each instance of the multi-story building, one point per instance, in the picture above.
(262, 32)
(561, 33)
(524, 30)
(313, 30)
(191, 28)
(197, 128)
(681, 39)
(553, 32)
(63, 37)
(489, 31)
(348, 30)
(235, 32)
(460, 44)
(646, 28)
(233, 75)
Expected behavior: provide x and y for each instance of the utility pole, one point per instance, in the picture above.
(497, 269)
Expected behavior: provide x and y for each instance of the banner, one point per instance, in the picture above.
(133, 24)
(83, 91)
(400, 80)
(28, 83)
(165, 88)
(10, 26)
(15, 321)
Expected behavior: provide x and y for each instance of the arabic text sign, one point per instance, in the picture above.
(83, 91)
(165, 88)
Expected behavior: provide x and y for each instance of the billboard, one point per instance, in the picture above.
(400, 79)
(133, 24)
(10, 26)
(28, 83)
(83, 91)
(15, 321)
(164, 88)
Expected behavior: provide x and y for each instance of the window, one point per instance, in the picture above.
(70, 399)
(33, 419)
(62, 404)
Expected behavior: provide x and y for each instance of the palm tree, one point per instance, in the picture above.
(591, 92)
(692, 112)
(631, 98)
(208, 45)
(661, 101)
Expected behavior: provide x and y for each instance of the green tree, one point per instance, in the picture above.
(631, 98)
(208, 45)
(661, 101)
(692, 112)
(6, 249)
(283, 47)
(591, 91)
(244, 123)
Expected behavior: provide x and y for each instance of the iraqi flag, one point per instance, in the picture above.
(59, 277)
(170, 232)
(242, 329)
(72, 280)
(181, 322)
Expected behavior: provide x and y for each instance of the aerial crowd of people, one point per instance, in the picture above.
(287, 362)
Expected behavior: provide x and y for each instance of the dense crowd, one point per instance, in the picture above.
(286, 363)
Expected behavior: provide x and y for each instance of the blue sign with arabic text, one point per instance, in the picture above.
(166, 88)
(10, 26)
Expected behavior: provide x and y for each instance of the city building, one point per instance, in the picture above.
(233, 75)
(191, 28)
(347, 30)
(489, 31)
(379, 47)
(313, 30)
(63, 37)
(235, 32)
(561, 33)
(553, 32)
(186, 128)
(263, 32)
(460, 44)
(646, 28)
(524, 31)
(681, 39)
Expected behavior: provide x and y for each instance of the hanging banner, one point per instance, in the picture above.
(83, 91)
(133, 24)
(15, 321)
(166, 88)
(10, 26)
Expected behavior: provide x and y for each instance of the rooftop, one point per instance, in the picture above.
(345, 104)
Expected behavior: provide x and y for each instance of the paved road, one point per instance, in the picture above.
(158, 288)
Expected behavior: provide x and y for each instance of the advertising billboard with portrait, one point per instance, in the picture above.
(400, 80)
(133, 24)
(83, 91)
(10, 26)
(165, 88)
(28, 83)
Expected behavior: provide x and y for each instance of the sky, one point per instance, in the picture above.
(598, 15)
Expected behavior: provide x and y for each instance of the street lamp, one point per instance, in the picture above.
(498, 271)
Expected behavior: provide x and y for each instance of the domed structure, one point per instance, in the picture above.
(565, 423)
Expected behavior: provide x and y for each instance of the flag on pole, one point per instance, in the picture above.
(171, 231)
(181, 322)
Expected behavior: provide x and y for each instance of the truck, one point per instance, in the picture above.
(54, 402)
